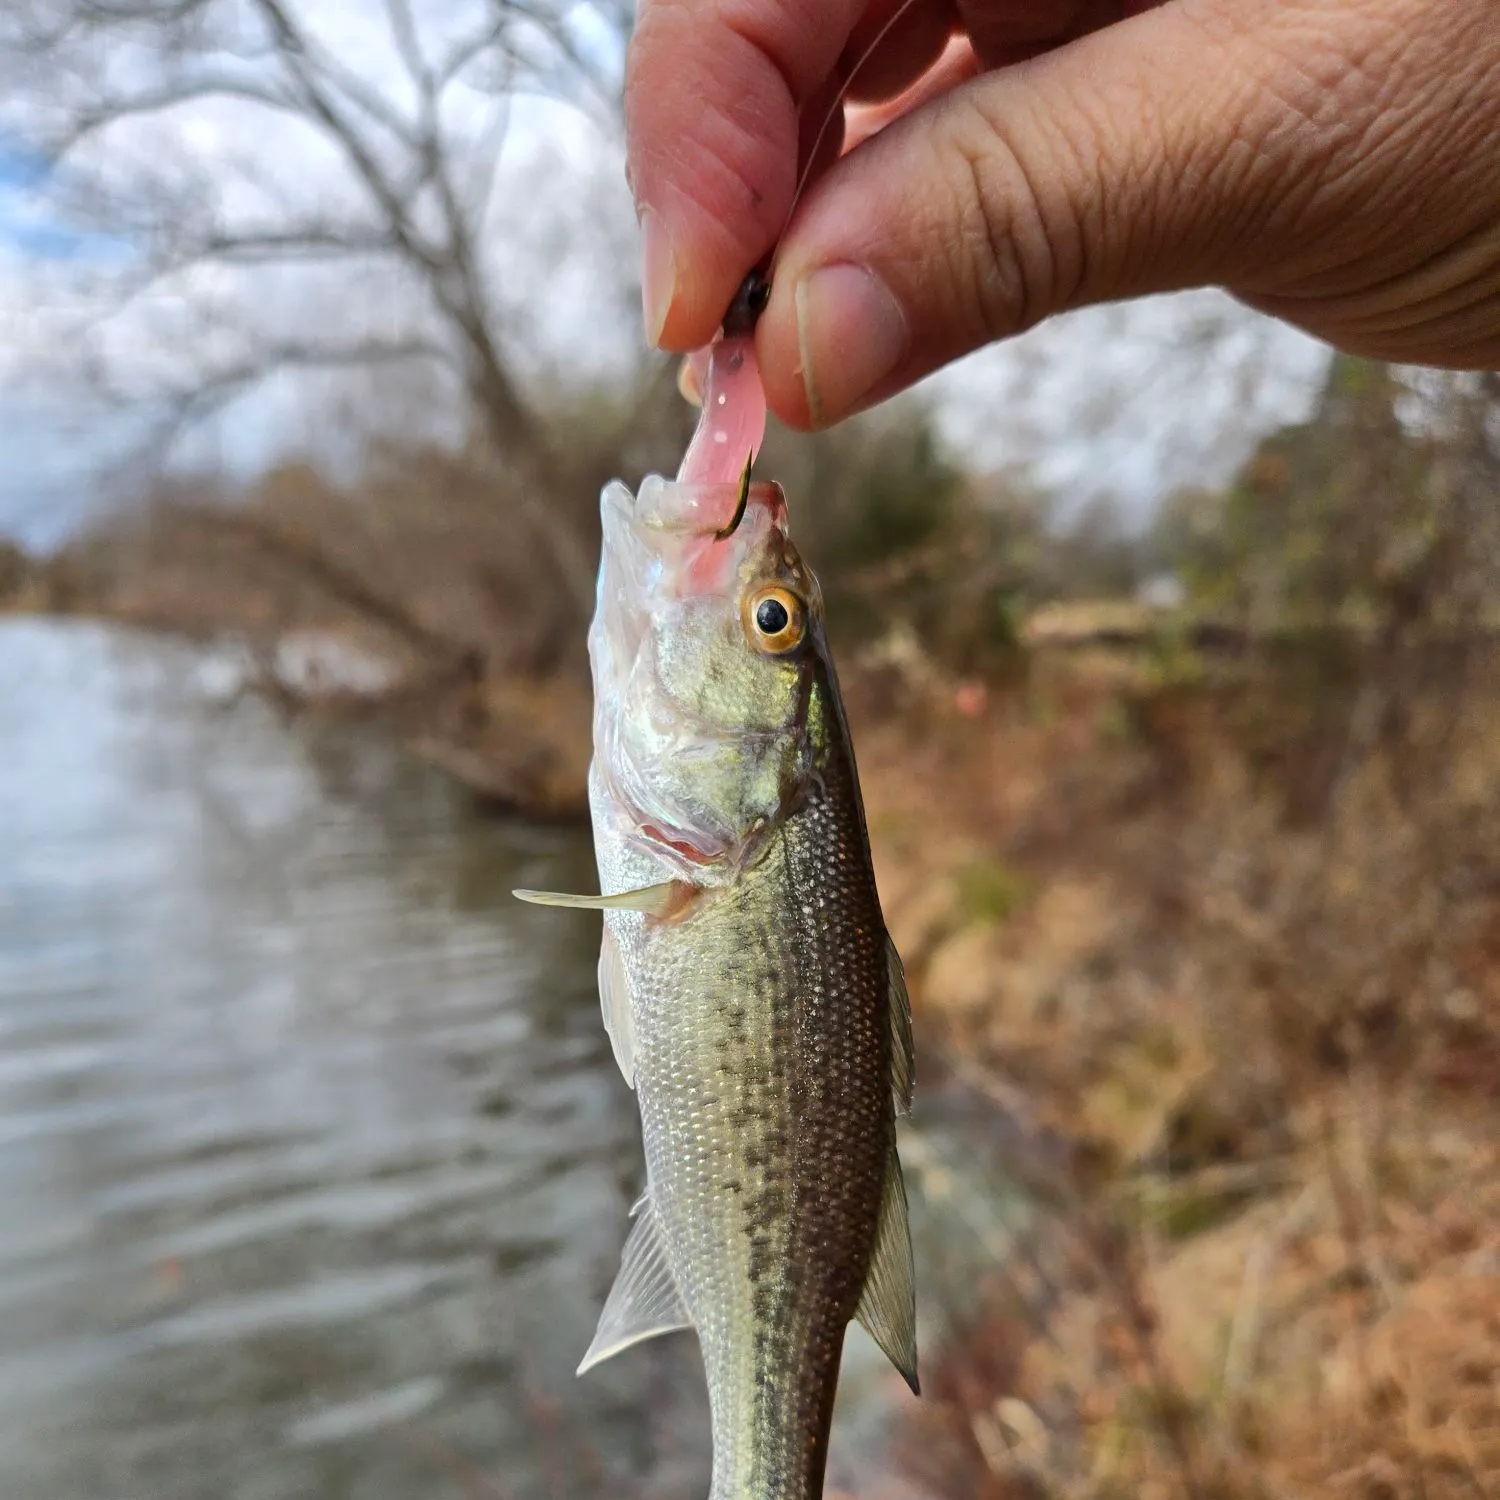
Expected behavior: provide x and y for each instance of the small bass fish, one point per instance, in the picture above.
(752, 995)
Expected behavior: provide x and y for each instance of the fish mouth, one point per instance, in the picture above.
(660, 547)
(665, 545)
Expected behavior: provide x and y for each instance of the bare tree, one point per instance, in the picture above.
(299, 186)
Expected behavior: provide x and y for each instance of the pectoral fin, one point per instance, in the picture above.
(888, 1305)
(903, 1063)
(655, 900)
(644, 1301)
(614, 1001)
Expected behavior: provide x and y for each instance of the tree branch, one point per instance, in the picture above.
(312, 242)
(106, 113)
(215, 389)
(406, 162)
(347, 138)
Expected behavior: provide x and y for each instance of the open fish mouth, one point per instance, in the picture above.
(664, 546)
(664, 549)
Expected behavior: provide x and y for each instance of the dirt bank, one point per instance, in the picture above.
(1252, 999)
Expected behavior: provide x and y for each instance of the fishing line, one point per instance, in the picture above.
(755, 291)
(834, 108)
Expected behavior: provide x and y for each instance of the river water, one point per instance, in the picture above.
(314, 1162)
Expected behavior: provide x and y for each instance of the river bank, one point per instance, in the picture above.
(1233, 964)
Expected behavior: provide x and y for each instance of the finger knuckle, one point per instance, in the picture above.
(1011, 244)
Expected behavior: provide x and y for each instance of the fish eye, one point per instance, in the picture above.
(777, 620)
(771, 617)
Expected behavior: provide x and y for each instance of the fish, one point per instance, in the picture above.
(753, 997)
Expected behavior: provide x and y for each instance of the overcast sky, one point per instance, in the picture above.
(1127, 400)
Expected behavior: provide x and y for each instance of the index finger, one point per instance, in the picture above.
(713, 92)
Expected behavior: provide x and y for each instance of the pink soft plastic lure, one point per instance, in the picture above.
(733, 424)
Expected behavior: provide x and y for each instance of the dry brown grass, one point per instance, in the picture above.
(1254, 1000)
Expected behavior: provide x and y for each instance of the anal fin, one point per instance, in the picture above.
(888, 1305)
(644, 1301)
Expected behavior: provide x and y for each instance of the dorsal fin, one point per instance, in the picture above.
(888, 1305)
(644, 1301)
(903, 1052)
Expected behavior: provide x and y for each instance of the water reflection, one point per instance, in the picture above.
(313, 1164)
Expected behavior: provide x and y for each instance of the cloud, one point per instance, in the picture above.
(31, 224)
(28, 225)
(1131, 400)
(50, 452)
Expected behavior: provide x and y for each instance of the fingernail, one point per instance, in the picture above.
(851, 333)
(687, 383)
(658, 275)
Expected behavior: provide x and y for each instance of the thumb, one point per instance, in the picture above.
(1258, 144)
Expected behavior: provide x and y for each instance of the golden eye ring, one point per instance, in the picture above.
(775, 620)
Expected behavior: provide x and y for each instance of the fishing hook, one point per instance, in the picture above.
(741, 501)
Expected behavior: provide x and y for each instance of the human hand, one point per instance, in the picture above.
(1333, 162)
